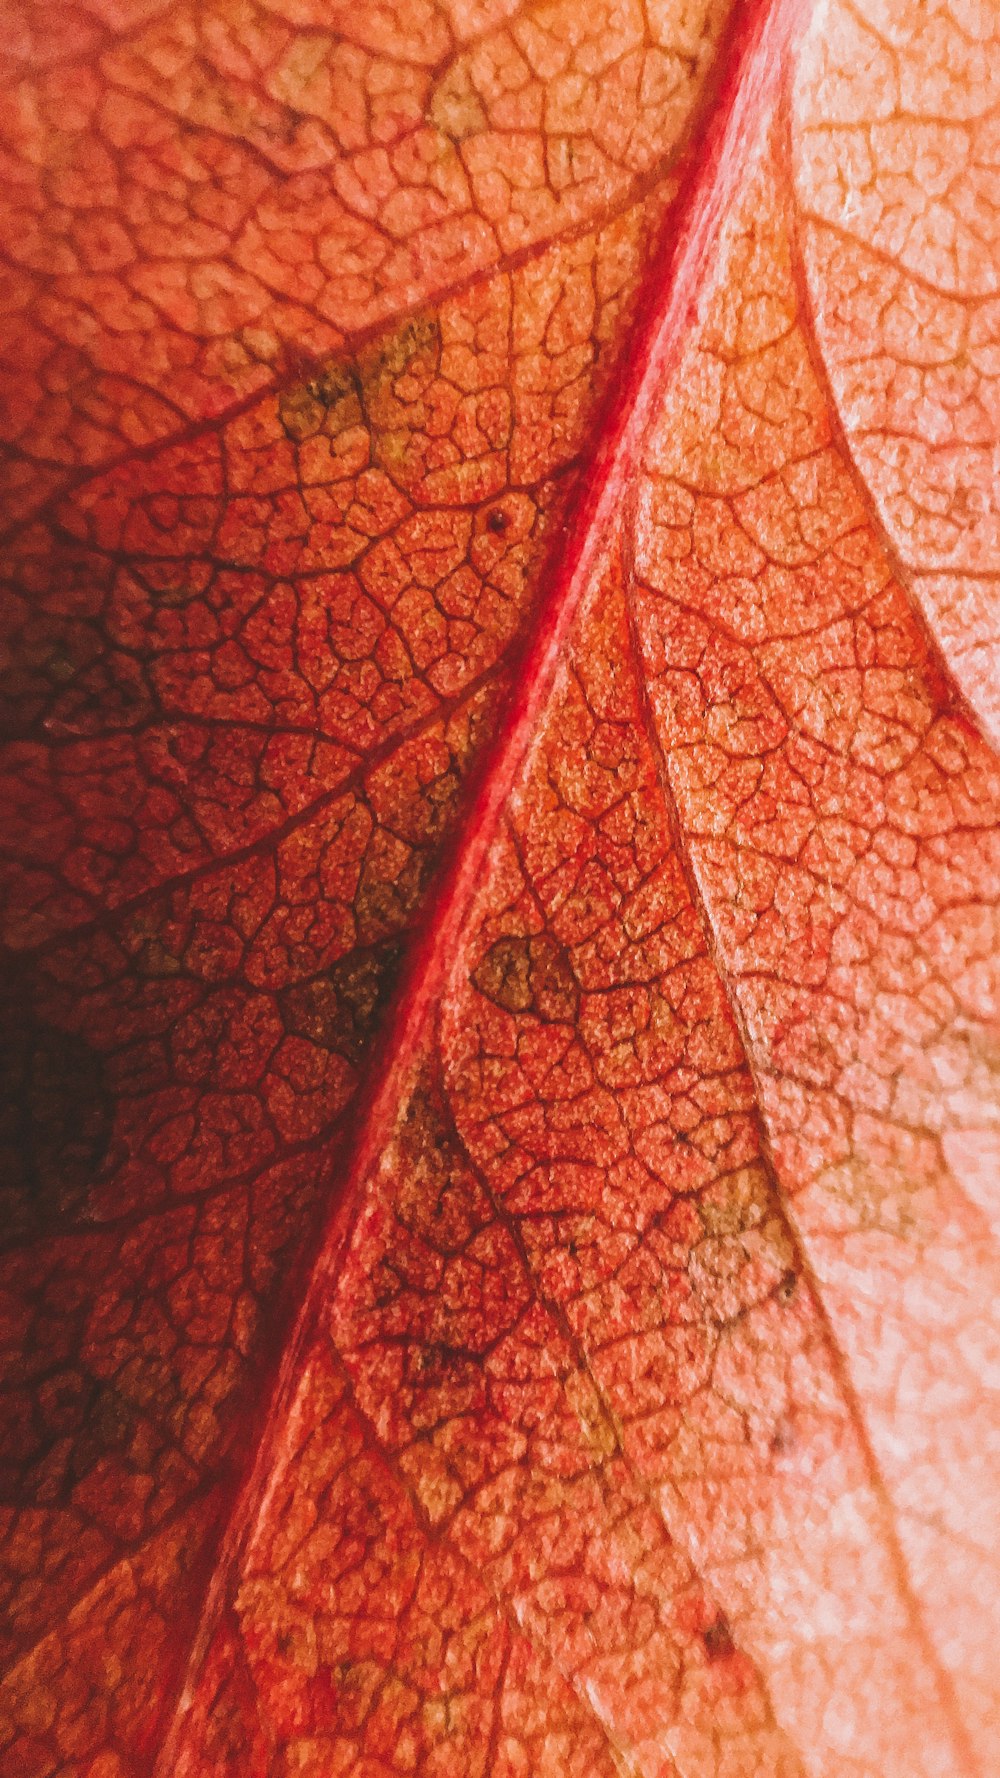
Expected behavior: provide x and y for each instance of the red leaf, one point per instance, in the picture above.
(623, 1357)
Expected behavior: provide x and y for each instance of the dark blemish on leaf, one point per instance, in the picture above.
(782, 1439)
(718, 1640)
(333, 383)
(529, 975)
(325, 401)
(497, 520)
(300, 412)
(55, 1120)
(58, 671)
(788, 1286)
(75, 1425)
(109, 1425)
(339, 1009)
(440, 1360)
(455, 107)
(417, 341)
(382, 905)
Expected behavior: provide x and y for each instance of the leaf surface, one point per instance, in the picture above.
(259, 614)
(636, 1414)
(895, 131)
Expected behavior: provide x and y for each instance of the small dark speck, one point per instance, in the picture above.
(718, 1640)
(782, 1439)
(497, 521)
(788, 1285)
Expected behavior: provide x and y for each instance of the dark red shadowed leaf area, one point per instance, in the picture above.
(501, 1035)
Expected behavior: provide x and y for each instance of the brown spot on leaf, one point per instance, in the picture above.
(529, 975)
(718, 1640)
(415, 344)
(327, 402)
(339, 1009)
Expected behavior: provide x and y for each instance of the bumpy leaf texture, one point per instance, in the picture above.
(500, 1114)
